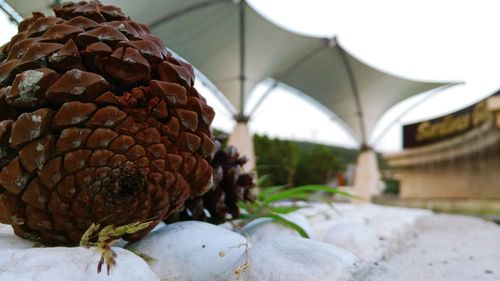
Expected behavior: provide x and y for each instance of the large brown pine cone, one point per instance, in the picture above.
(99, 124)
(230, 186)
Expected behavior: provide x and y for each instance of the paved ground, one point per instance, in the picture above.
(445, 248)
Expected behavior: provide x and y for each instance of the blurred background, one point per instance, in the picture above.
(447, 53)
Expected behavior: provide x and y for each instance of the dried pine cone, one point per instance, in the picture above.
(99, 124)
(230, 186)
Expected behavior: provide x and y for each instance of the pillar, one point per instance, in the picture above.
(241, 138)
(367, 177)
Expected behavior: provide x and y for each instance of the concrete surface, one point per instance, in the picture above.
(444, 248)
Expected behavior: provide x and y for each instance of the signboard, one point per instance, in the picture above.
(445, 127)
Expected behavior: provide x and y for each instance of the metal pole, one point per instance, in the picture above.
(283, 75)
(355, 92)
(263, 97)
(10, 12)
(242, 77)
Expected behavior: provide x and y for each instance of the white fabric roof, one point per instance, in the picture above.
(207, 34)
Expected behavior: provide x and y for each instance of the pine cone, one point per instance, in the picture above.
(229, 187)
(99, 124)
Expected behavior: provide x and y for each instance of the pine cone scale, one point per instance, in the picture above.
(219, 201)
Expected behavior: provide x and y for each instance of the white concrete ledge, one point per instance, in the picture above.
(351, 242)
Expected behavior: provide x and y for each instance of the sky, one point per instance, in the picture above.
(434, 40)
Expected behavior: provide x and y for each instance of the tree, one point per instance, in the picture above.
(277, 158)
(317, 166)
(294, 163)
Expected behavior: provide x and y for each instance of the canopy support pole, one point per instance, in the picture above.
(263, 98)
(284, 74)
(355, 92)
(241, 138)
(10, 12)
(242, 46)
(367, 175)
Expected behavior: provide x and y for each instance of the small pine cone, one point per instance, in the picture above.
(98, 124)
(230, 186)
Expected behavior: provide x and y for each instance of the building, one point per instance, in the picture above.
(456, 156)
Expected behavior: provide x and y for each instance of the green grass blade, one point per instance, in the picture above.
(248, 216)
(270, 190)
(284, 209)
(279, 219)
(244, 205)
(287, 194)
(262, 179)
(287, 223)
(304, 196)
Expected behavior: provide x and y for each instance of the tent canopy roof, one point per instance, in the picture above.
(236, 48)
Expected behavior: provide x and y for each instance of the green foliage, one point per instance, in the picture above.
(318, 166)
(298, 163)
(105, 237)
(265, 205)
(391, 186)
(382, 164)
(301, 191)
(217, 133)
(277, 158)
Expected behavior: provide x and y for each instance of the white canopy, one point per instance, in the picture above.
(236, 48)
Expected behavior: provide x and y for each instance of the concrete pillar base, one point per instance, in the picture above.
(241, 138)
(367, 176)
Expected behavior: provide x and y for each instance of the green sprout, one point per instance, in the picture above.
(265, 206)
(105, 237)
